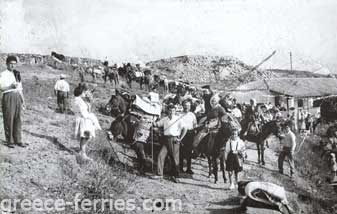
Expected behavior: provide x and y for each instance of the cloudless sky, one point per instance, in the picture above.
(152, 29)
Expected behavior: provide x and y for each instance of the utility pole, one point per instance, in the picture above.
(291, 61)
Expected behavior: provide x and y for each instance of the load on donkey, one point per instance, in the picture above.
(135, 128)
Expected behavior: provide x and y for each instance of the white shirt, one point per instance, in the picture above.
(172, 127)
(189, 120)
(237, 113)
(289, 140)
(237, 145)
(7, 78)
(62, 85)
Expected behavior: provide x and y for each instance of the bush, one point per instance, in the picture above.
(329, 109)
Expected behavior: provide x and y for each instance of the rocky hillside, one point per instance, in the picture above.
(230, 72)
(201, 68)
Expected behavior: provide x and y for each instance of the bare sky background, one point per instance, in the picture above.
(152, 29)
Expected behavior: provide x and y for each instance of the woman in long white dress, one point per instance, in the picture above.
(86, 121)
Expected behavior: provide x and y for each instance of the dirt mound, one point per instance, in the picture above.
(201, 69)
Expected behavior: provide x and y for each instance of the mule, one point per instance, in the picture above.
(259, 136)
(118, 105)
(212, 146)
(123, 127)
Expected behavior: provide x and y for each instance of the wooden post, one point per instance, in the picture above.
(291, 62)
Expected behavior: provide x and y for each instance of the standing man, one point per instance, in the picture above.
(12, 102)
(106, 71)
(81, 73)
(288, 149)
(61, 90)
(115, 74)
(190, 122)
(174, 132)
(207, 95)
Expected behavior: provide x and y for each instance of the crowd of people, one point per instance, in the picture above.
(190, 114)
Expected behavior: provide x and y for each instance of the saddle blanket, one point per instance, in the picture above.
(147, 106)
(139, 74)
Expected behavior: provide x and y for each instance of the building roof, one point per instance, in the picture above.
(260, 96)
(295, 87)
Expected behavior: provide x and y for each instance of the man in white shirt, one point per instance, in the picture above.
(12, 103)
(61, 90)
(289, 145)
(174, 132)
(190, 122)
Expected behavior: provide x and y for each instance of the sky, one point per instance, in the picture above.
(145, 30)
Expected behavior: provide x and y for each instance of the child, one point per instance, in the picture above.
(235, 148)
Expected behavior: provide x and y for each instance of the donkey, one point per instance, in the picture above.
(259, 136)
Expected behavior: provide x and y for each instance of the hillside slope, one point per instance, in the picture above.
(229, 72)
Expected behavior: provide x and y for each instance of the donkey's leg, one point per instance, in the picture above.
(262, 152)
(209, 166)
(258, 152)
(215, 168)
(222, 167)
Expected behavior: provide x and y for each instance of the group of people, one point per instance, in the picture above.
(177, 129)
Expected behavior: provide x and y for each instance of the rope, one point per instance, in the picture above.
(299, 147)
(152, 144)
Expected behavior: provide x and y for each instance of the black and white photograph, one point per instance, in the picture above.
(168, 106)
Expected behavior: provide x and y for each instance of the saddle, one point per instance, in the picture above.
(254, 128)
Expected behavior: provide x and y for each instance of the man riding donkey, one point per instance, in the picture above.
(215, 131)
(252, 119)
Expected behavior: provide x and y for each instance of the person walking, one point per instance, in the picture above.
(86, 121)
(301, 121)
(13, 102)
(174, 132)
(288, 148)
(106, 71)
(234, 153)
(61, 90)
(81, 73)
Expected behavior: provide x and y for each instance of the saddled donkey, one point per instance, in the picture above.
(119, 104)
(259, 136)
(123, 127)
(148, 80)
(212, 146)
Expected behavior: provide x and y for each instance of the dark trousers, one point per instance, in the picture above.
(62, 100)
(139, 149)
(170, 148)
(82, 77)
(11, 109)
(286, 153)
(186, 150)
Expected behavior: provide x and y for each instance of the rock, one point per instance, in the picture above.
(253, 210)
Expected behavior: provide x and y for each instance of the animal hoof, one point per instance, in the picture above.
(263, 163)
